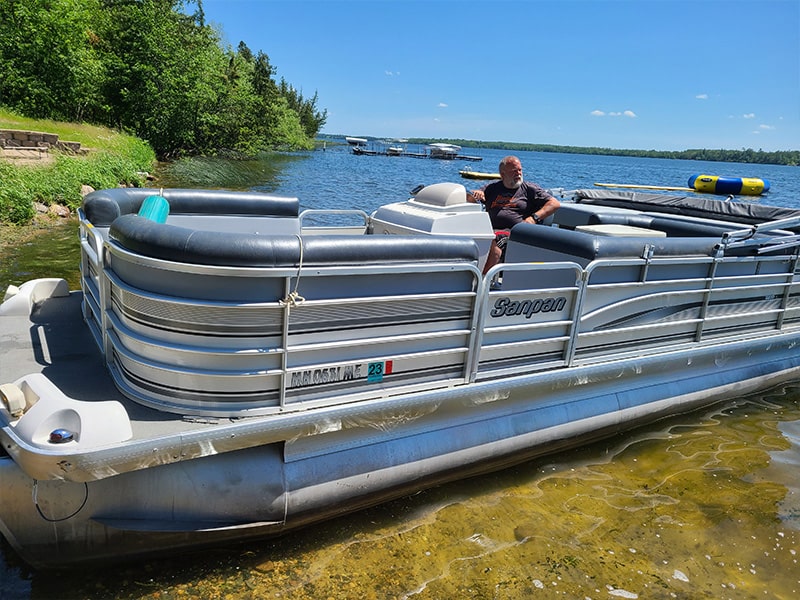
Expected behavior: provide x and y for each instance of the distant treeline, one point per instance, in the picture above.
(781, 157)
(152, 68)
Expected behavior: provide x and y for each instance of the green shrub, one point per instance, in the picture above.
(15, 197)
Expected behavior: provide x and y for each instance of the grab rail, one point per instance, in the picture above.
(331, 226)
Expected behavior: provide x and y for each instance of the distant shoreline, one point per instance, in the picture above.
(779, 157)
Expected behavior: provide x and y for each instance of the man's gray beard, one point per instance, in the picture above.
(515, 184)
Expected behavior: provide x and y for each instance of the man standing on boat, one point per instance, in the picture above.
(510, 201)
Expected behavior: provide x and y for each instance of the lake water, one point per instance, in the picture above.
(705, 505)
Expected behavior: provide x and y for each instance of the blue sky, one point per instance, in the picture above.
(644, 74)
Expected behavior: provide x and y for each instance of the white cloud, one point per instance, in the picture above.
(702, 96)
(768, 127)
(600, 113)
(441, 105)
(392, 73)
(749, 116)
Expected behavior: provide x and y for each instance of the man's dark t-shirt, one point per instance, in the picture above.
(507, 207)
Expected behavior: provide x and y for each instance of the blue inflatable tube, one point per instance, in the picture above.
(714, 184)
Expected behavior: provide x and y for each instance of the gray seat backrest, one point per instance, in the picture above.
(104, 206)
(181, 244)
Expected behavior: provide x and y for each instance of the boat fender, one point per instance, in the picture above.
(13, 399)
(714, 184)
(155, 208)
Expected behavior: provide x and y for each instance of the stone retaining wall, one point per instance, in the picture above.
(14, 139)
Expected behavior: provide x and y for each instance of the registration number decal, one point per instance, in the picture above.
(374, 373)
(376, 370)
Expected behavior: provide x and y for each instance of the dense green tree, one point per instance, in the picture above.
(263, 74)
(163, 72)
(49, 65)
(152, 67)
(231, 118)
(311, 119)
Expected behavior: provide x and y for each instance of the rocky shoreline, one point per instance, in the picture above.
(46, 217)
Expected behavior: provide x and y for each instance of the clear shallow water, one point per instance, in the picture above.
(705, 505)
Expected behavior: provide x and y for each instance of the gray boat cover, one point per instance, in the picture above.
(709, 208)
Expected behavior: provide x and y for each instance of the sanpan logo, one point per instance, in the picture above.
(506, 307)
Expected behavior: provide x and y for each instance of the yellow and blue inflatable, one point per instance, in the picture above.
(714, 184)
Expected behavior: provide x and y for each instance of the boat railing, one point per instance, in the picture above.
(92, 241)
(257, 340)
(782, 240)
(788, 223)
(616, 308)
(529, 326)
(789, 243)
(316, 221)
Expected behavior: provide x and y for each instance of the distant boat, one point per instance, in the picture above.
(356, 141)
(358, 149)
(396, 147)
(445, 151)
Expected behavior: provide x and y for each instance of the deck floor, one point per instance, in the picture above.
(57, 343)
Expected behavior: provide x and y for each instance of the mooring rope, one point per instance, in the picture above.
(293, 298)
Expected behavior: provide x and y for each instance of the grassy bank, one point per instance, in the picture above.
(113, 158)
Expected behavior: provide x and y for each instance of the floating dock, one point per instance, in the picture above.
(392, 149)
